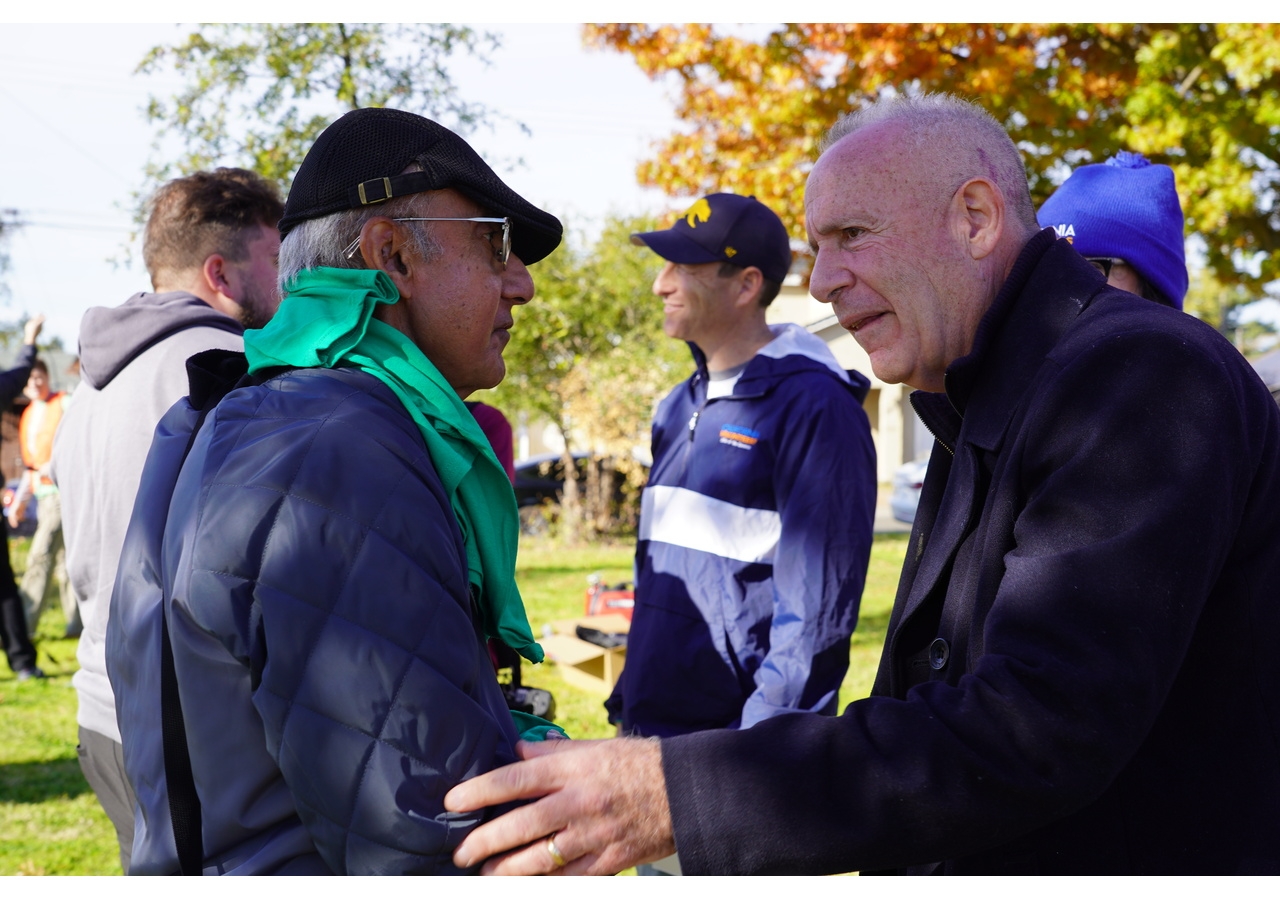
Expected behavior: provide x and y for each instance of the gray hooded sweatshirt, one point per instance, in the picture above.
(132, 368)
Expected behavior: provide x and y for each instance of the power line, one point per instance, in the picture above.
(67, 140)
(74, 226)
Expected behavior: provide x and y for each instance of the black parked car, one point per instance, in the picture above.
(541, 478)
(540, 484)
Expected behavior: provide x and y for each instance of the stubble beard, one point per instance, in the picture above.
(255, 311)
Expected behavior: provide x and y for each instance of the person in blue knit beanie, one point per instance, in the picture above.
(1124, 217)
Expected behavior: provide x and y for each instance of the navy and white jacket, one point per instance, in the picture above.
(755, 531)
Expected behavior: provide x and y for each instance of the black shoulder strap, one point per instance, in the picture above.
(211, 376)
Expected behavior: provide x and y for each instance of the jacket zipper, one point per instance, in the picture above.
(688, 447)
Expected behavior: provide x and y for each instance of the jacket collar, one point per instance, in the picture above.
(793, 349)
(1046, 291)
(1047, 288)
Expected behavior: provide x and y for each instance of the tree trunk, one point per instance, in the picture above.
(570, 502)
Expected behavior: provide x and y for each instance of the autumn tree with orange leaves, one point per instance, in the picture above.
(1204, 99)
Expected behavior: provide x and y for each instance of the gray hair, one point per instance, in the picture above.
(321, 242)
(949, 124)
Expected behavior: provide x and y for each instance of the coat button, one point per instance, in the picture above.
(939, 652)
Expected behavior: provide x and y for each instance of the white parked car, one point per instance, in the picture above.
(907, 482)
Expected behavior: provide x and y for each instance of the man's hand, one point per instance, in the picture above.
(31, 330)
(603, 802)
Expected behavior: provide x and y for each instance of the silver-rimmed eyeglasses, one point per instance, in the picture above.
(503, 253)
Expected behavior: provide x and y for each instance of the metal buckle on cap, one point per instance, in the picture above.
(386, 191)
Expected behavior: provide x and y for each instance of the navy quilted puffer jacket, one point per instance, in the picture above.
(332, 677)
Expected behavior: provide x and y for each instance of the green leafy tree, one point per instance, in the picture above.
(257, 95)
(1203, 99)
(1206, 101)
(589, 356)
(1210, 299)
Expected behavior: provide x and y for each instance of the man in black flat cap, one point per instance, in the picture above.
(317, 559)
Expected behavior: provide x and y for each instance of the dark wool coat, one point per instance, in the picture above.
(1078, 674)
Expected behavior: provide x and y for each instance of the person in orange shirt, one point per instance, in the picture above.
(35, 436)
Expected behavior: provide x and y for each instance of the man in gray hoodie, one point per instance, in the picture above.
(211, 249)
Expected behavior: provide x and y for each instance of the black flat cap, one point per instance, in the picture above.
(357, 162)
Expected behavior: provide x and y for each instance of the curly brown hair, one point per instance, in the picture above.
(194, 217)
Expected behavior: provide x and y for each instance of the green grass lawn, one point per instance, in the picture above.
(554, 582)
(51, 824)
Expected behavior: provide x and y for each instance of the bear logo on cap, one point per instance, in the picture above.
(699, 212)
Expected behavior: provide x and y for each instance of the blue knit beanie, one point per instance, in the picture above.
(1128, 208)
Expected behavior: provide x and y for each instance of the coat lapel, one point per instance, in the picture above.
(983, 394)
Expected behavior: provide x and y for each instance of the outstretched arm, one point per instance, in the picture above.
(31, 330)
(604, 804)
(13, 380)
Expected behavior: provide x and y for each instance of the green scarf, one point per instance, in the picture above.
(327, 321)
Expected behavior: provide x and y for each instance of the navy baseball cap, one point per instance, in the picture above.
(725, 228)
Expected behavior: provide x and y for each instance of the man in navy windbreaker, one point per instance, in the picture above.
(755, 527)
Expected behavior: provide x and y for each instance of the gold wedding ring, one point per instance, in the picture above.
(556, 858)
